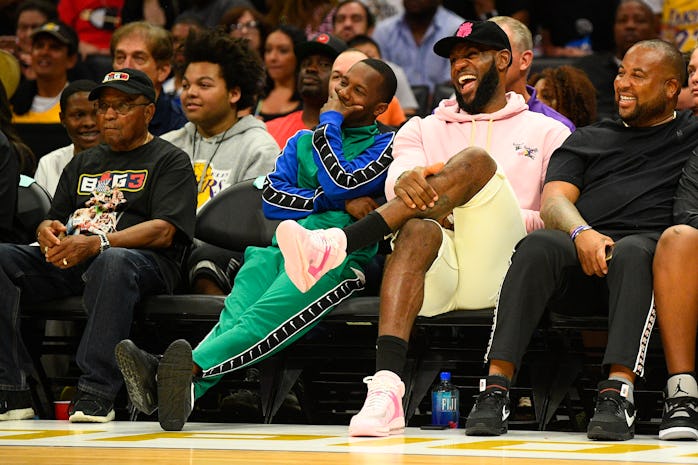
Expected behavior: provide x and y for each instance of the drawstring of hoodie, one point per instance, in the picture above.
(488, 141)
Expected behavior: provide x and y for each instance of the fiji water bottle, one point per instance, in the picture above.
(445, 402)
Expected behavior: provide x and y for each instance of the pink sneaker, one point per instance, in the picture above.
(382, 413)
(308, 255)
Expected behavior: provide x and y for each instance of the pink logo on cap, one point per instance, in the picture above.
(464, 30)
(322, 38)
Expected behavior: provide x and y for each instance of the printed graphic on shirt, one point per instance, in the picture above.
(523, 150)
(126, 181)
(99, 214)
(210, 183)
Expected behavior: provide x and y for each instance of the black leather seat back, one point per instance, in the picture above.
(233, 219)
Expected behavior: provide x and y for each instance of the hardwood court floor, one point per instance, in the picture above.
(125, 443)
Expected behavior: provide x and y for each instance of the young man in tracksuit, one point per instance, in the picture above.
(324, 177)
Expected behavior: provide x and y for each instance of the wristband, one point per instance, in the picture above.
(103, 242)
(579, 229)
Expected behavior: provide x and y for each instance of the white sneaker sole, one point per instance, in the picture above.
(364, 429)
(80, 417)
(18, 414)
(678, 432)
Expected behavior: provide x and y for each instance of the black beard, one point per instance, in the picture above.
(484, 93)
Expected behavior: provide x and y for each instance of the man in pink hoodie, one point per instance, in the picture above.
(463, 189)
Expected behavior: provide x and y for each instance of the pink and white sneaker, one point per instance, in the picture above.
(382, 413)
(308, 255)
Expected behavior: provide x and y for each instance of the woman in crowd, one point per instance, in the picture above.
(247, 23)
(569, 91)
(280, 96)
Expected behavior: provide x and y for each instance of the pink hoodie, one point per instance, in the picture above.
(521, 142)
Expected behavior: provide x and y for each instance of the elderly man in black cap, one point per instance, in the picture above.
(464, 188)
(122, 216)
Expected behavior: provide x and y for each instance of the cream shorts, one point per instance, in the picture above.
(474, 257)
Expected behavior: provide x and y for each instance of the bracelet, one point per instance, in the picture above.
(103, 242)
(579, 229)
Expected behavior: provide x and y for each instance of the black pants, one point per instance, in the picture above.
(542, 267)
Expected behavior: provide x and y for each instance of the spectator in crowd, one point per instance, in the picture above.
(676, 295)
(120, 222)
(404, 94)
(54, 52)
(149, 48)
(79, 118)
(407, 39)
(313, 17)
(249, 24)
(634, 21)
(445, 195)
(221, 76)
(209, 12)
(323, 177)
(15, 158)
(352, 18)
(315, 57)
(280, 94)
(569, 91)
(30, 16)
(608, 197)
(180, 30)
(522, 58)
(94, 21)
(574, 29)
(679, 25)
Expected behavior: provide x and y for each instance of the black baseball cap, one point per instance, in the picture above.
(321, 44)
(61, 32)
(484, 33)
(127, 80)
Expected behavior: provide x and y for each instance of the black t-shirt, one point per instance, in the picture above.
(157, 182)
(627, 176)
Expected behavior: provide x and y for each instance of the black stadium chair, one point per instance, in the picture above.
(33, 203)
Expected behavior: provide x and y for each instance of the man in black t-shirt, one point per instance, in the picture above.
(608, 196)
(121, 219)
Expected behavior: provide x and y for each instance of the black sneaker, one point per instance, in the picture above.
(614, 415)
(138, 368)
(175, 387)
(89, 408)
(16, 405)
(680, 419)
(490, 414)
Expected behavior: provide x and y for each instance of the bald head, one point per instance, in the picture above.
(672, 60)
(648, 83)
(342, 63)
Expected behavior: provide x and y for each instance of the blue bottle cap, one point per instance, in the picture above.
(445, 376)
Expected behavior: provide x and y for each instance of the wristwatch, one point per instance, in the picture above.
(103, 242)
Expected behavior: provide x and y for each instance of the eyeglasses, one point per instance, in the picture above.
(241, 26)
(121, 108)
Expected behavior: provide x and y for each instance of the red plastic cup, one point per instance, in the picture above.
(60, 409)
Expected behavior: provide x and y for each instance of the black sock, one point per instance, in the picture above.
(367, 231)
(391, 354)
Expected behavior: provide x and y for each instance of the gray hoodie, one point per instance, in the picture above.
(244, 151)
